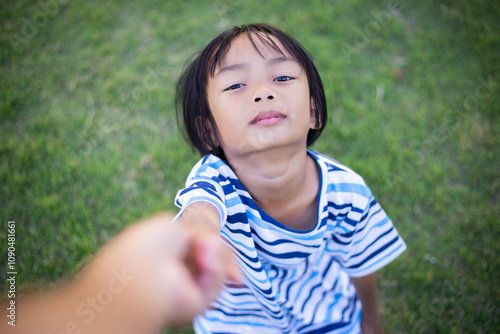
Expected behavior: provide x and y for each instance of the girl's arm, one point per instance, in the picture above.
(366, 288)
(202, 221)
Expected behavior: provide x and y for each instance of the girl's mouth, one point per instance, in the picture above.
(270, 117)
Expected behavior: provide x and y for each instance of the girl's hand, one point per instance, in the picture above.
(372, 326)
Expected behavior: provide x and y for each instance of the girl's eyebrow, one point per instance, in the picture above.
(235, 67)
(279, 60)
(243, 66)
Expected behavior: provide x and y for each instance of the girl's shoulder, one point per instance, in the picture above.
(341, 184)
(336, 171)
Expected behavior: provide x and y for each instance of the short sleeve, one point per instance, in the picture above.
(201, 190)
(365, 240)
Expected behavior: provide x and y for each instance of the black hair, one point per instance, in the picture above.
(191, 99)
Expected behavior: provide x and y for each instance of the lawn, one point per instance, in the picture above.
(89, 141)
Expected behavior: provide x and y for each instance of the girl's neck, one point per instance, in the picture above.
(283, 182)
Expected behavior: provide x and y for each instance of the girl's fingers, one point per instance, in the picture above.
(216, 263)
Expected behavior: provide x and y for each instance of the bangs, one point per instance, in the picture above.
(263, 32)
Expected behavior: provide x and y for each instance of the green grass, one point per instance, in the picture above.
(89, 140)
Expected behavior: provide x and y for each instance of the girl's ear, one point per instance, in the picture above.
(206, 134)
(313, 123)
(211, 134)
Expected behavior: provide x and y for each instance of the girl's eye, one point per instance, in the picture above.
(283, 78)
(234, 87)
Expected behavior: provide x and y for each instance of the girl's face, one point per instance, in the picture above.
(259, 102)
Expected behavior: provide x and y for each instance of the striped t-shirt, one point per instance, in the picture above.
(293, 281)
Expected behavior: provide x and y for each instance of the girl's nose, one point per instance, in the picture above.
(269, 97)
(262, 94)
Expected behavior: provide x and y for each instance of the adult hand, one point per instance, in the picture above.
(152, 275)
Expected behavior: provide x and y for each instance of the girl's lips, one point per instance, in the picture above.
(268, 118)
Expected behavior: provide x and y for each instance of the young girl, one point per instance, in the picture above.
(307, 233)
